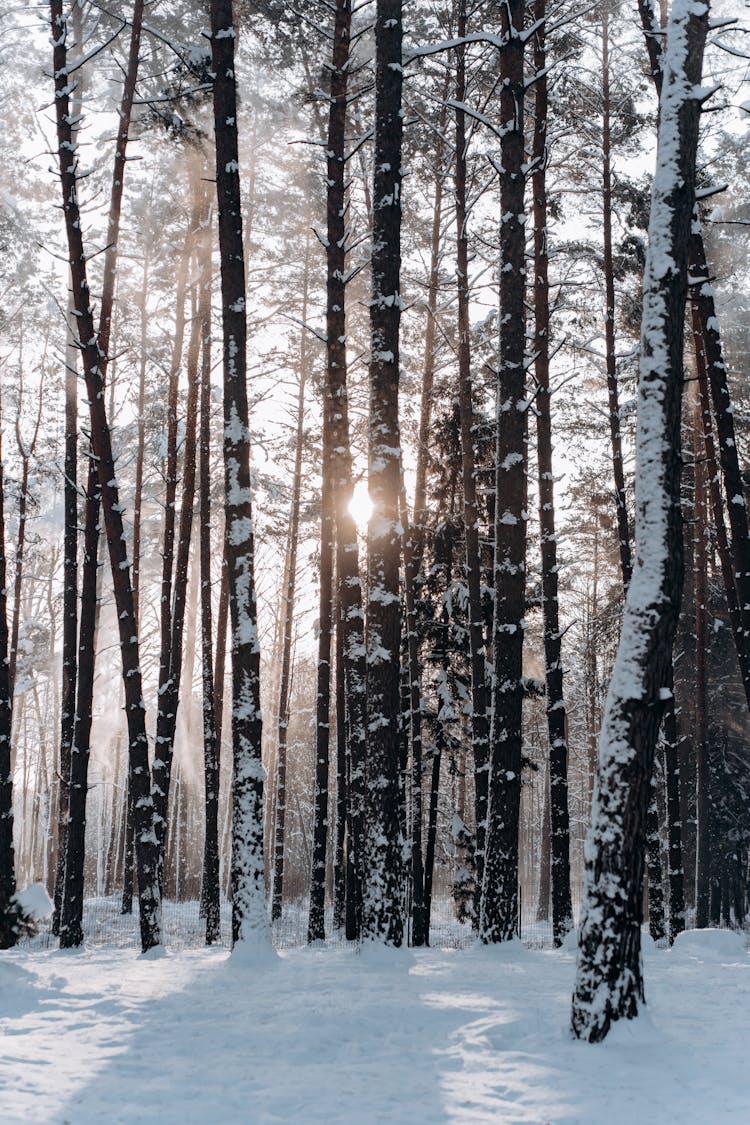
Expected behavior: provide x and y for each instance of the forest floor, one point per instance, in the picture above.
(336, 1035)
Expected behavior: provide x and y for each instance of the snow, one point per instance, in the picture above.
(332, 1034)
(35, 902)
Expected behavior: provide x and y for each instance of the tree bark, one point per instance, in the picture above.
(249, 922)
(700, 595)
(26, 452)
(94, 355)
(499, 907)
(382, 914)
(609, 982)
(618, 470)
(562, 909)
(349, 586)
(210, 886)
(480, 725)
(70, 549)
(8, 935)
(141, 440)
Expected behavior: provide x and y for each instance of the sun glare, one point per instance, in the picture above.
(360, 505)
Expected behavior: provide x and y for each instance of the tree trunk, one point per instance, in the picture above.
(339, 860)
(70, 605)
(8, 935)
(700, 588)
(210, 887)
(336, 405)
(169, 692)
(609, 982)
(618, 470)
(382, 915)
(674, 819)
(562, 909)
(480, 726)
(736, 500)
(94, 358)
(413, 710)
(499, 910)
(26, 452)
(653, 855)
(141, 441)
(248, 885)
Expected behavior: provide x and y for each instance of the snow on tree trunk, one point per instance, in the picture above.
(609, 983)
(249, 922)
(210, 887)
(70, 556)
(94, 356)
(381, 907)
(712, 370)
(499, 905)
(559, 821)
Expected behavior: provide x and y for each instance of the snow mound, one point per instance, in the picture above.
(570, 941)
(35, 902)
(711, 945)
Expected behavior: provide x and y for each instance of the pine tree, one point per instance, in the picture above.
(381, 910)
(248, 890)
(609, 982)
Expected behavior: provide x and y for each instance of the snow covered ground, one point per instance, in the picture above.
(335, 1035)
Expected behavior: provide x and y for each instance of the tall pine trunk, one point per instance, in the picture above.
(700, 597)
(382, 917)
(8, 936)
(562, 910)
(94, 357)
(210, 886)
(615, 433)
(336, 406)
(249, 922)
(499, 907)
(609, 983)
(480, 724)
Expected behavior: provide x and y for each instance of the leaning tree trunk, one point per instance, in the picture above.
(94, 365)
(735, 495)
(381, 906)
(499, 904)
(559, 837)
(72, 889)
(609, 984)
(248, 882)
(712, 370)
